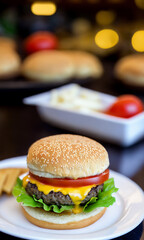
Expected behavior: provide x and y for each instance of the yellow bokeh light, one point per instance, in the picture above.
(43, 8)
(105, 17)
(138, 41)
(140, 3)
(106, 38)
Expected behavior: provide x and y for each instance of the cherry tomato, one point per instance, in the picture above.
(40, 41)
(126, 106)
(68, 182)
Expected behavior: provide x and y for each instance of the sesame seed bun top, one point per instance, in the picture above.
(67, 155)
(86, 64)
(130, 70)
(48, 66)
(131, 64)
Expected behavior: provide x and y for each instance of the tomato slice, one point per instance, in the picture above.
(68, 182)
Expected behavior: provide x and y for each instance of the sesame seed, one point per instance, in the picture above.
(72, 152)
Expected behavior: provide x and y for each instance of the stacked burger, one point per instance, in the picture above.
(68, 183)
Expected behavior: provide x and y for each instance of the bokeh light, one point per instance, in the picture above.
(106, 38)
(105, 17)
(140, 3)
(43, 8)
(138, 41)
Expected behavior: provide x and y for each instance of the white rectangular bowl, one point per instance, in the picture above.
(124, 132)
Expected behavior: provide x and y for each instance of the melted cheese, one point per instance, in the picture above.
(76, 194)
(77, 209)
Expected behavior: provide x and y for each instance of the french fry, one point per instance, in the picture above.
(23, 170)
(8, 177)
(10, 180)
(3, 175)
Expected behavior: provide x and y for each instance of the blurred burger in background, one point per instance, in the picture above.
(61, 66)
(130, 70)
(10, 61)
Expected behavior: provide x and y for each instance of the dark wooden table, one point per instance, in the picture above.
(21, 125)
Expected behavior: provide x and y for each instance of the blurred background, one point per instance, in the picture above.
(85, 40)
(79, 20)
(108, 29)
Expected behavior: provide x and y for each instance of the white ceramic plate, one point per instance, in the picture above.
(122, 131)
(122, 217)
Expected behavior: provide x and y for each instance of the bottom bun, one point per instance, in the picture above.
(61, 221)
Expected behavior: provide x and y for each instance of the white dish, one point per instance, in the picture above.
(120, 218)
(124, 132)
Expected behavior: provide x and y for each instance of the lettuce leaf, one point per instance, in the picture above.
(18, 188)
(104, 198)
(29, 201)
(53, 208)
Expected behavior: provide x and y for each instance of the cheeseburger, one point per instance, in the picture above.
(68, 183)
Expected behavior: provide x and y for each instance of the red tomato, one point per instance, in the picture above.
(68, 182)
(40, 41)
(126, 106)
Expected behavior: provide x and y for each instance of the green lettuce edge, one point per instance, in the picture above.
(104, 198)
(21, 196)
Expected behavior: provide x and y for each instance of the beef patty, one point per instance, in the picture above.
(59, 198)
